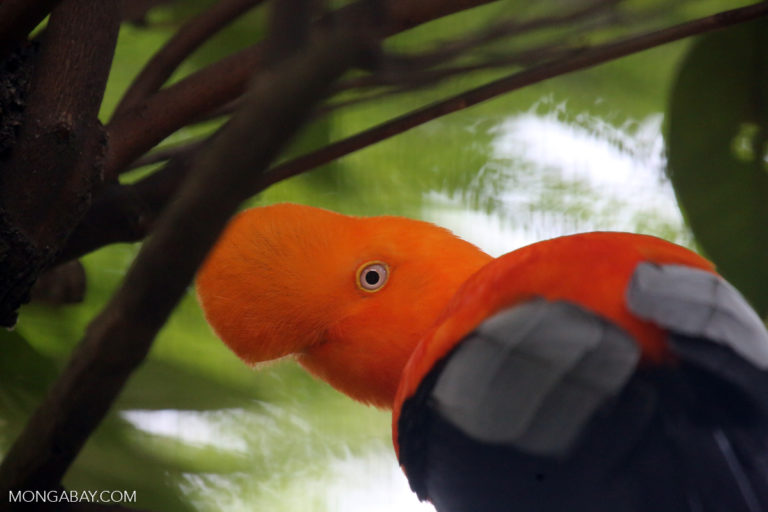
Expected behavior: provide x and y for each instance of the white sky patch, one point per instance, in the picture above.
(553, 176)
(624, 164)
(371, 483)
(484, 230)
(192, 427)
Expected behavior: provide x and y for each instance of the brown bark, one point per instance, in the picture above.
(62, 284)
(127, 213)
(15, 78)
(45, 187)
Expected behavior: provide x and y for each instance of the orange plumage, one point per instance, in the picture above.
(283, 280)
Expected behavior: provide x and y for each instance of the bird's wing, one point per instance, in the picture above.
(698, 304)
(532, 375)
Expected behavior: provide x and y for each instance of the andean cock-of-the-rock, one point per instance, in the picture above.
(596, 372)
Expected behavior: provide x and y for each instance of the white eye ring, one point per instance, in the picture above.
(372, 276)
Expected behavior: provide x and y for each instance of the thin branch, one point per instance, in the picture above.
(408, 76)
(19, 17)
(286, 30)
(119, 338)
(45, 187)
(224, 110)
(142, 127)
(595, 13)
(166, 153)
(585, 59)
(409, 72)
(157, 189)
(414, 80)
(188, 38)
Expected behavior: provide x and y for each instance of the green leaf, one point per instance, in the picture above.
(718, 121)
(24, 377)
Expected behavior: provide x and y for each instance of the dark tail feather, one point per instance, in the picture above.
(719, 477)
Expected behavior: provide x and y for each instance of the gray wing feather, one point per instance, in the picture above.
(531, 376)
(696, 303)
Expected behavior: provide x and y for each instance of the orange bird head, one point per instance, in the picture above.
(329, 288)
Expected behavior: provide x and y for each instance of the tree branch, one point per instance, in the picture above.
(166, 153)
(188, 38)
(126, 213)
(45, 187)
(140, 128)
(118, 339)
(593, 13)
(18, 18)
(290, 23)
(407, 76)
(135, 11)
(61, 284)
(586, 58)
(414, 79)
(411, 71)
(156, 190)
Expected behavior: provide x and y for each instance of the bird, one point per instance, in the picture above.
(327, 289)
(601, 371)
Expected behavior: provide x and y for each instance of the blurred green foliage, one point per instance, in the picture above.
(718, 152)
(244, 438)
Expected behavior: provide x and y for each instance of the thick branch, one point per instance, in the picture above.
(189, 37)
(139, 129)
(118, 339)
(62, 284)
(19, 17)
(126, 213)
(45, 187)
(289, 28)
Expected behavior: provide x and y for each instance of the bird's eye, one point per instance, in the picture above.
(372, 276)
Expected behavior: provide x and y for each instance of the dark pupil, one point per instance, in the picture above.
(371, 277)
